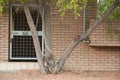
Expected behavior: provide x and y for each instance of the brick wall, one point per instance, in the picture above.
(83, 57)
(106, 34)
(4, 33)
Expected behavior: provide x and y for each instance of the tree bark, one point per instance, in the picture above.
(71, 47)
(49, 53)
(49, 61)
(35, 38)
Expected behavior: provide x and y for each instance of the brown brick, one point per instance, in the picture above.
(84, 56)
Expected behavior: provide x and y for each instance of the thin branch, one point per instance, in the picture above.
(37, 20)
(112, 8)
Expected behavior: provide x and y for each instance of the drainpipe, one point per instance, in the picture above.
(84, 23)
(84, 19)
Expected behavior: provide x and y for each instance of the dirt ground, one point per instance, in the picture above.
(66, 75)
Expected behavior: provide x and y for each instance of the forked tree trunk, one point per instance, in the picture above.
(56, 68)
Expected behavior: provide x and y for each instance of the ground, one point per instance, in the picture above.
(66, 75)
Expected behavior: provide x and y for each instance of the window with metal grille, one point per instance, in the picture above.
(21, 42)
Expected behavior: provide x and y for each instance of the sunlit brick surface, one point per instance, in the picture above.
(4, 33)
(83, 57)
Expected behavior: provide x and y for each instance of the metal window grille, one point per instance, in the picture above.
(21, 42)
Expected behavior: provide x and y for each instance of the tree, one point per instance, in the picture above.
(47, 62)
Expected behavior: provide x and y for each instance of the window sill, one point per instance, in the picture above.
(105, 45)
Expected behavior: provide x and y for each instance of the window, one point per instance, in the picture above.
(21, 43)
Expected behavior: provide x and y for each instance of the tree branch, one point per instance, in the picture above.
(71, 47)
(35, 38)
(97, 22)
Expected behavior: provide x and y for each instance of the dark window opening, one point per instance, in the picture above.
(21, 42)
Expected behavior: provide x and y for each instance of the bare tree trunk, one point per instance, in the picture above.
(49, 53)
(49, 61)
(71, 47)
(35, 38)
